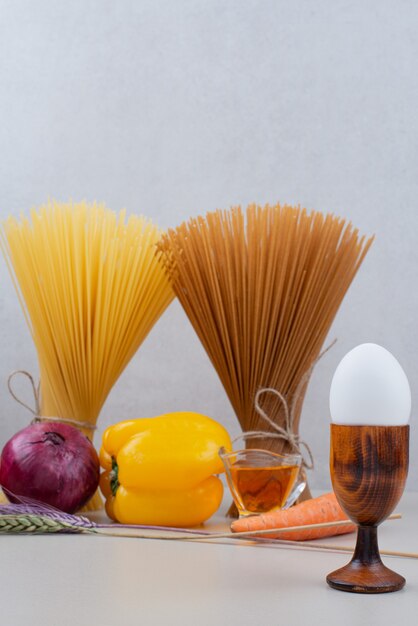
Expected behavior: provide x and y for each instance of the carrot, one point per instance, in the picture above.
(313, 511)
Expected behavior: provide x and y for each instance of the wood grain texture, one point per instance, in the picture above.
(366, 573)
(369, 467)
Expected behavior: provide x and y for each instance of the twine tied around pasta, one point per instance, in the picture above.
(36, 411)
(286, 433)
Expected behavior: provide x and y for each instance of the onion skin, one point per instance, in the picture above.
(52, 463)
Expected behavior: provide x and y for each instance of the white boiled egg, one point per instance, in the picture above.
(369, 387)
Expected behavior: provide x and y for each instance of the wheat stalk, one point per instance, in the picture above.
(38, 524)
(54, 522)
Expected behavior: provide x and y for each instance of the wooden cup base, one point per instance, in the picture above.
(358, 577)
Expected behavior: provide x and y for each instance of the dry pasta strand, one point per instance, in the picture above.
(261, 288)
(91, 287)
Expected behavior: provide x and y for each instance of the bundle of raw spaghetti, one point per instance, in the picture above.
(91, 288)
(261, 290)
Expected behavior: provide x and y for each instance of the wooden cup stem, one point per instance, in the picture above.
(366, 551)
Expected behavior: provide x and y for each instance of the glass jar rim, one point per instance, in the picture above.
(295, 458)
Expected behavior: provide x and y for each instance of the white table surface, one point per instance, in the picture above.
(107, 581)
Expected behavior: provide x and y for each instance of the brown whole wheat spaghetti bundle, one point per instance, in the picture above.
(91, 288)
(261, 290)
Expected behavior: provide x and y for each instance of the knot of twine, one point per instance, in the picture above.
(286, 433)
(36, 411)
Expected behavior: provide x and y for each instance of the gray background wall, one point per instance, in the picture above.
(172, 108)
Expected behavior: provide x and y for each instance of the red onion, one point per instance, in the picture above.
(50, 462)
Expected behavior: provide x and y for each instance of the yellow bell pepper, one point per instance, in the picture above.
(160, 470)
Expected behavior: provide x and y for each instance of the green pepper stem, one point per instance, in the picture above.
(114, 482)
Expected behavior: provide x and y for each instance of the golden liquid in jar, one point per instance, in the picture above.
(262, 489)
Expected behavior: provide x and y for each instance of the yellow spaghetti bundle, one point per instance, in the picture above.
(91, 288)
(261, 289)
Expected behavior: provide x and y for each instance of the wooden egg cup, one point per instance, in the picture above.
(369, 466)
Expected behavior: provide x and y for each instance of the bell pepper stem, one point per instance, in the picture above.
(114, 482)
